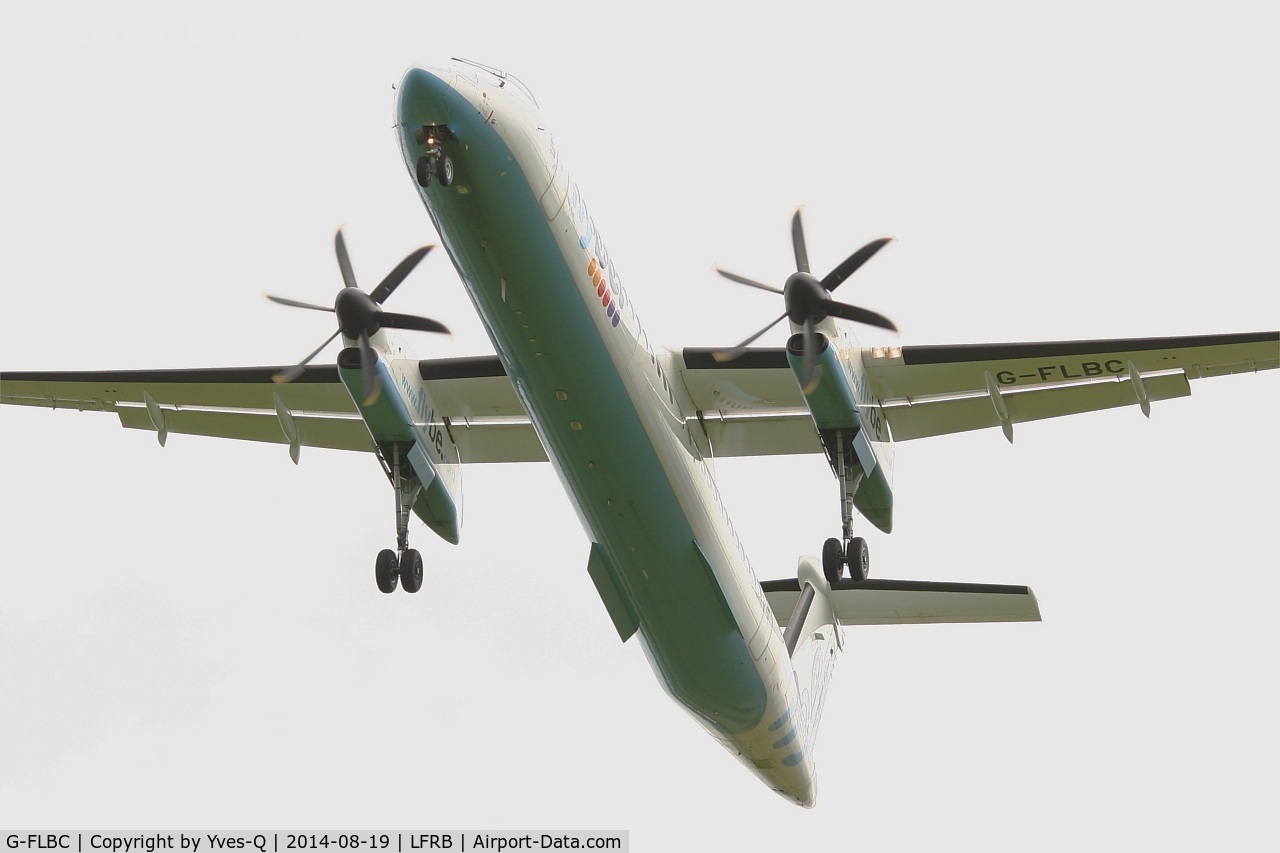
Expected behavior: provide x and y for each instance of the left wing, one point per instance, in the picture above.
(472, 395)
(236, 402)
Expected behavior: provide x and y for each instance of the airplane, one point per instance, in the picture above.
(633, 431)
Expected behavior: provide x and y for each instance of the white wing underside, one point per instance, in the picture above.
(475, 397)
(753, 406)
(749, 407)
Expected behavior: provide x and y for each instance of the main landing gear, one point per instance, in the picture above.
(836, 556)
(848, 550)
(402, 567)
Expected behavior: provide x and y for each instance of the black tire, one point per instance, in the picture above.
(859, 559)
(411, 571)
(386, 571)
(832, 560)
(424, 171)
(444, 171)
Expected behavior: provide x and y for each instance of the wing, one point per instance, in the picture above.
(752, 406)
(487, 421)
(936, 390)
(315, 410)
(237, 402)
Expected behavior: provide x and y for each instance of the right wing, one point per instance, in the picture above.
(936, 390)
(753, 406)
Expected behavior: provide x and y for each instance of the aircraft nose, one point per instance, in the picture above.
(423, 96)
(425, 99)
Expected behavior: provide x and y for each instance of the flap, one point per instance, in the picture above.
(942, 414)
(335, 433)
(487, 420)
(750, 406)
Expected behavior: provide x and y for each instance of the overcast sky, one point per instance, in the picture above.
(190, 637)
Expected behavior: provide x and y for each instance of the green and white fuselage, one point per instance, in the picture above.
(664, 554)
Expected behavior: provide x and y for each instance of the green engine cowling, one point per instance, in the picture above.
(835, 412)
(423, 447)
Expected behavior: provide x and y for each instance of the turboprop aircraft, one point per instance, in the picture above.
(632, 430)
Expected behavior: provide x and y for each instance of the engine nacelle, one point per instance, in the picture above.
(402, 416)
(835, 412)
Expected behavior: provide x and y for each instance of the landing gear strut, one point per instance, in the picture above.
(403, 566)
(848, 550)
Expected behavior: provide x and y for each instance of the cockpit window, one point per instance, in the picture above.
(507, 81)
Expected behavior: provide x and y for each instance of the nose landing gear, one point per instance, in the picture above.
(434, 163)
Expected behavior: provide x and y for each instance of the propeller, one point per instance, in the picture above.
(808, 300)
(360, 316)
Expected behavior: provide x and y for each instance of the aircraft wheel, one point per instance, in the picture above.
(424, 171)
(444, 171)
(411, 571)
(859, 559)
(832, 560)
(385, 570)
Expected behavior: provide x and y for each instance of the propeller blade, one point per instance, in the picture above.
(859, 315)
(797, 243)
(729, 355)
(851, 264)
(294, 372)
(392, 320)
(397, 275)
(344, 260)
(293, 303)
(748, 281)
(368, 374)
(812, 367)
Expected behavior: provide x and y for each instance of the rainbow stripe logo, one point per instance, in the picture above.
(596, 271)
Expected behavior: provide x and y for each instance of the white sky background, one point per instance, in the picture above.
(191, 637)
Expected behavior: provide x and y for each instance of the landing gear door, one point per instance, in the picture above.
(421, 465)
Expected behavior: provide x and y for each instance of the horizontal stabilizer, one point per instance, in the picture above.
(888, 602)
